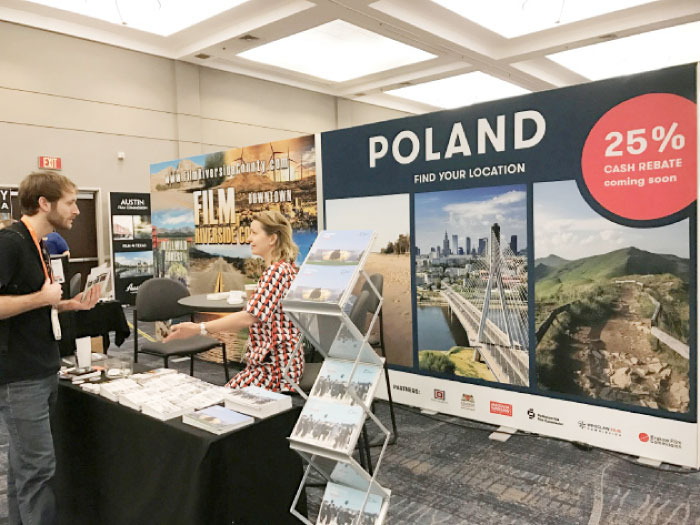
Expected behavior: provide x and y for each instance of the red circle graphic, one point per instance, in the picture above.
(640, 159)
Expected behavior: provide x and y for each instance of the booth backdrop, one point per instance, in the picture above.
(203, 207)
(132, 243)
(539, 257)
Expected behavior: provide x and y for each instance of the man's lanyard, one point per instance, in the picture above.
(38, 248)
(55, 323)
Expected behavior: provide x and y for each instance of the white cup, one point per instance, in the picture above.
(236, 296)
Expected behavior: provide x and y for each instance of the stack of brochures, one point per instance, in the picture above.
(256, 401)
(163, 393)
(163, 409)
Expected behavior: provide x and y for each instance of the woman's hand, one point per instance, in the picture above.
(182, 331)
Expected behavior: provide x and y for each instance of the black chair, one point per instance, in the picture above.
(367, 303)
(156, 300)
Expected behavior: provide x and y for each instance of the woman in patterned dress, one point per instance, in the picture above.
(273, 337)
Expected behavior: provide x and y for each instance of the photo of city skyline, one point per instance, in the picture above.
(471, 283)
(465, 216)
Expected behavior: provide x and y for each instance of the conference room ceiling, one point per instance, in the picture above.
(411, 55)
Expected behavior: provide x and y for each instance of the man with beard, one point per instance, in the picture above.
(29, 356)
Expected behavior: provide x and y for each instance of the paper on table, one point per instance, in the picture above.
(83, 352)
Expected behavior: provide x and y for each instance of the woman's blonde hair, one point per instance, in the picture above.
(273, 222)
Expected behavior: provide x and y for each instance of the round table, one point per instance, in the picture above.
(200, 303)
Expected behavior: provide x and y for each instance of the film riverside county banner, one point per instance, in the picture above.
(5, 207)
(203, 206)
(538, 248)
(132, 243)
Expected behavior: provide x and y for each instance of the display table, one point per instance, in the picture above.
(105, 317)
(200, 303)
(118, 466)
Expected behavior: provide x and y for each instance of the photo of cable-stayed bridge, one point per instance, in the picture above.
(471, 283)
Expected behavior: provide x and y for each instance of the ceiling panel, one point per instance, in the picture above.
(523, 45)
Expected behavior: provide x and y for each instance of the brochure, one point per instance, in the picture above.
(144, 377)
(162, 409)
(134, 399)
(217, 419)
(98, 276)
(113, 389)
(320, 284)
(332, 426)
(208, 397)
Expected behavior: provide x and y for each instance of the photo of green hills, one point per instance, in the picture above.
(612, 304)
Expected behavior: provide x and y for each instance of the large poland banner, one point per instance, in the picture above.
(539, 256)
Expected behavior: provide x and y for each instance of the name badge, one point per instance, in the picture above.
(55, 324)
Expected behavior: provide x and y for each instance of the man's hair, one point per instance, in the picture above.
(47, 184)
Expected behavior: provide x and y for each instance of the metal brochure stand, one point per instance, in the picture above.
(324, 320)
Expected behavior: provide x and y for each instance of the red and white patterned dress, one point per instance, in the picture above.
(274, 337)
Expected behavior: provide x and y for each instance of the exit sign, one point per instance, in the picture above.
(50, 163)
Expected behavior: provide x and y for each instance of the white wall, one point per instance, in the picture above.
(84, 102)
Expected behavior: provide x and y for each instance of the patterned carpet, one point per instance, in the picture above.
(445, 470)
(442, 472)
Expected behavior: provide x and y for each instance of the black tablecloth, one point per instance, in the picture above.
(117, 466)
(104, 318)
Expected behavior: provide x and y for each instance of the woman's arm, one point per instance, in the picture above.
(230, 323)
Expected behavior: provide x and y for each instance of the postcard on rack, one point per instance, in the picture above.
(332, 426)
(340, 247)
(321, 284)
(343, 504)
(346, 346)
(351, 475)
(332, 381)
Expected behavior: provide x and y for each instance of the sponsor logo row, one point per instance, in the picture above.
(467, 402)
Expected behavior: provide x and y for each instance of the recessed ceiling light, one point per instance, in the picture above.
(513, 18)
(162, 17)
(633, 54)
(336, 51)
(462, 90)
(202, 56)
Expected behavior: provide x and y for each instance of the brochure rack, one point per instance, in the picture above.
(319, 303)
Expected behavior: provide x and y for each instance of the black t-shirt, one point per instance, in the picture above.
(28, 349)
